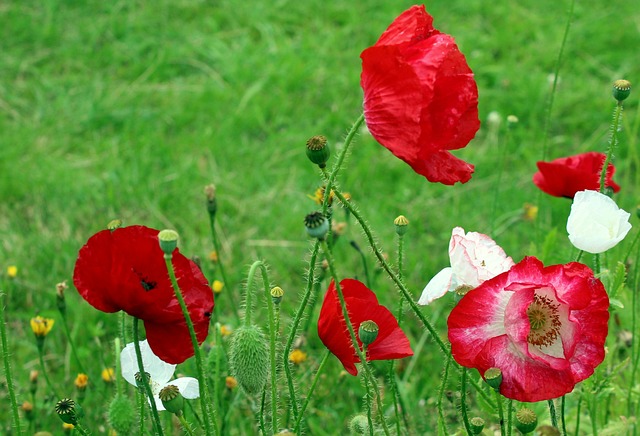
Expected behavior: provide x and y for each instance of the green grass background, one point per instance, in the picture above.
(126, 109)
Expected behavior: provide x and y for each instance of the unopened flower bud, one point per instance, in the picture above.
(359, 424)
(476, 424)
(249, 359)
(230, 382)
(318, 150)
(368, 332)
(317, 225)
(172, 399)
(212, 202)
(168, 241)
(401, 224)
(27, 409)
(621, 89)
(81, 382)
(493, 377)
(276, 294)
(121, 414)
(526, 420)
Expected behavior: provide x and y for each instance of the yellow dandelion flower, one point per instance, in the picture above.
(297, 356)
(108, 375)
(217, 286)
(225, 330)
(81, 382)
(12, 271)
(318, 195)
(230, 382)
(41, 326)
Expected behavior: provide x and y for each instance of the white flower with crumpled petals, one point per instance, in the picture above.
(474, 257)
(160, 373)
(596, 223)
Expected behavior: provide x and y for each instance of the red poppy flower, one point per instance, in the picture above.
(124, 269)
(362, 305)
(544, 328)
(420, 97)
(565, 176)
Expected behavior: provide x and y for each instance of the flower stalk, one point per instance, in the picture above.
(15, 416)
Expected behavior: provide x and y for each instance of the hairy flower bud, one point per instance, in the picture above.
(249, 359)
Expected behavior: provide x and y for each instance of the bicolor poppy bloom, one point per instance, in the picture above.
(544, 328)
(362, 305)
(420, 97)
(474, 257)
(124, 269)
(596, 223)
(158, 371)
(565, 176)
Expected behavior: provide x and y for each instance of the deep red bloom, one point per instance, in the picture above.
(420, 97)
(125, 270)
(565, 176)
(544, 328)
(362, 305)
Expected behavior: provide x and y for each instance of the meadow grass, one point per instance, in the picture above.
(128, 109)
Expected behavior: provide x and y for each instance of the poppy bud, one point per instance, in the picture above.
(168, 241)
(526, 420)
(318, 150)
(401, 225)
(476, 424)
(121, 414)
(317, 225)
(276, 295)
(621, 89)
(359, 424)
(368, 332)
(172, 399)
(212, 203)
(493, 377)
(249, 359)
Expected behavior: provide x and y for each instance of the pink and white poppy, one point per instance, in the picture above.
(543, 327)
(474, 257)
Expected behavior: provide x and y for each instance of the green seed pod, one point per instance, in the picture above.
(368, 332)
(477, 425)
(359, 424)
(401, 224)
(168, 240)
(318, 151)
(621, 89)
(526, 420)
(249, 359)
(493, 377)
(317, 225)
(121, 414)
(172, 399)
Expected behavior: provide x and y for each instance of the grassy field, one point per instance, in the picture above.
(128, 109)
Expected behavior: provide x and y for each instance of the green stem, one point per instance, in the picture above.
(141, 410)
(509, 416)
(210, 420)
(613, 141)
(578, 415)
(294, 329)
(216, 246)
(44, 369)
(378, 253)
(316, 378)
(443, 384)
(7, 369)
(500, 412)
(145, 382)
(552, 413)
(185, 424)
(593, 415)
(463, 401)
(562, 420)
(68, 335)
(81, 429)
(352, 334)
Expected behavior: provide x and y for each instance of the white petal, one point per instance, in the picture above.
(188, 387)
(437, 287)
(159, 371)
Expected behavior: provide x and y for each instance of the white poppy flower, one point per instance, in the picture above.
(596, 223)
(474, 257)
(160, 373)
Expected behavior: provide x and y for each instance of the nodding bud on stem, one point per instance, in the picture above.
(318, 150)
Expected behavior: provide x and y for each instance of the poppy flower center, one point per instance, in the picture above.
(544, 320)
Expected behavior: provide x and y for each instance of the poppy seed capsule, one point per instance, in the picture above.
(526, 420)
(401, 224)
(317, 225)
(249, 359)
(621, 89)
(493, 377)
(318, 150)
(368, 332)
(121, 414)
(476, 424)
(172, 399)
(168, 240)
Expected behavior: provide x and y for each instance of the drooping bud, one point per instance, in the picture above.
(477, 425)
(493, 377)
(621, 89)
(249, 359)
(172, 399)
(401, 224)
(121, 414)
(368, 332)
(317, 225)
(526, 420)
(168, 241)
(276, 294)
(318, 150)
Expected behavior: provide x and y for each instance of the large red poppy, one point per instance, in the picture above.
(124, 269)
(544, 328)
(565, 176)
(420, 97)
(362, 305)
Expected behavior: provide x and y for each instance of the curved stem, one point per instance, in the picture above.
(463, 401)
(185, 424)
(613, 141)
(500, 412)
(443, 385)
(216, 246)
(7, 369)
(205, 402)
(316, 378)
(145, 381)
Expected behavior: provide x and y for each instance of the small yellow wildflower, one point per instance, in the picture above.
(530, 212)
(108, 375)
(225, 330)
(213, 256)
(217, 286)
(230, 382)
(318, 196)
(67, 427)
(41, 326)
(81, 382)
(12, 271)
(297, 356)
